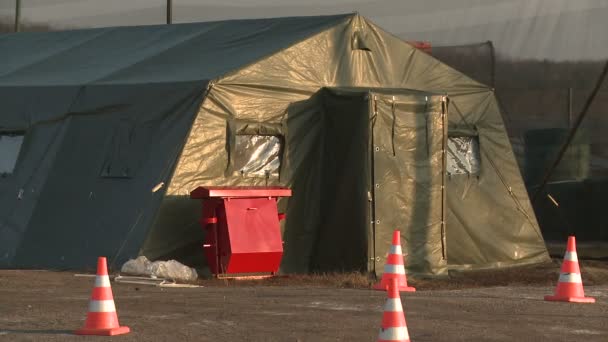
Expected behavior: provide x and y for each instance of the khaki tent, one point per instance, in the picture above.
(104, 133)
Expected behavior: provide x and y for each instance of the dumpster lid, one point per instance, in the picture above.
(240, 191)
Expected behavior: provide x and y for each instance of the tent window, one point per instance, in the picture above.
(463, 155)
(257, 155)
(10, 145)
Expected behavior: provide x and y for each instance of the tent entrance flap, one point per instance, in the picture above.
(408, 158)
(343, 242)
(383, 164)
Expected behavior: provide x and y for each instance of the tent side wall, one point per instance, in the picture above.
(357, 53)
(20, 191)
(490, 219)
(90, 193)
(205, 160)
(36, 112)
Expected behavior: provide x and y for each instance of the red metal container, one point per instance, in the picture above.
(242, 228)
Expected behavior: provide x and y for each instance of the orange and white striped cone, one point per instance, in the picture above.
(393, 326)
(394, 268)
(570, 284)
(102, 319)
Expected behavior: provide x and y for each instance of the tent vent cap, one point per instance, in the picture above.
(360, 41)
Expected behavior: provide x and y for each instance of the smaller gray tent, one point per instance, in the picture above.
(115, 126)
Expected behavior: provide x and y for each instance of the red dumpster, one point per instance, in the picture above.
(242, 229)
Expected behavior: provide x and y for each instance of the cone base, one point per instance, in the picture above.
(570, 299)
(380, 287)
(103, 332)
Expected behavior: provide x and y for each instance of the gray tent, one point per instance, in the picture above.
(106, 131)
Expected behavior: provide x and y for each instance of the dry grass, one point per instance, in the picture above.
(594, 273)
(338, 280)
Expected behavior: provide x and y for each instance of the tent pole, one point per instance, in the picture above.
(17, 15)
(169, 12)
(577, 123)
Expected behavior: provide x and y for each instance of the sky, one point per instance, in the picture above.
(539, 29)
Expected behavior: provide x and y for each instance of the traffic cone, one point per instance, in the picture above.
(570, 284)
(101, 318)
(393, 326)
(394, 269)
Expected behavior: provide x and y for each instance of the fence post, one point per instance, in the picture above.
(570, 96)
(169, 12)
(493, 70)
(17, 15)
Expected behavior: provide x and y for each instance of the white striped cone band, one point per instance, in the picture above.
(570, 278)
(393, 305)
(102, 281)
(571, 256)
(396, 249)
(394, 334)
(102, 306)
(394, 269)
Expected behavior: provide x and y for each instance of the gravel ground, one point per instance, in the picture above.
(48, 306)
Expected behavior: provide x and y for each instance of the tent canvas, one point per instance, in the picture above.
(121, 123)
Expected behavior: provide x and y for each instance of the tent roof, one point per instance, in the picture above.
(149, 54)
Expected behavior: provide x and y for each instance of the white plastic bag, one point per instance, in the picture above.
(173, 270)
(159, 269)
(140, 266)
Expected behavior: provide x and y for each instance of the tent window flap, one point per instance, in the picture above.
(463, 155)
(257, 155)
(10, 145)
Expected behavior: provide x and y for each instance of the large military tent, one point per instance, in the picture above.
(104, 133)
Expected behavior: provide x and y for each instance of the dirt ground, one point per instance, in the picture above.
(484, 306)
